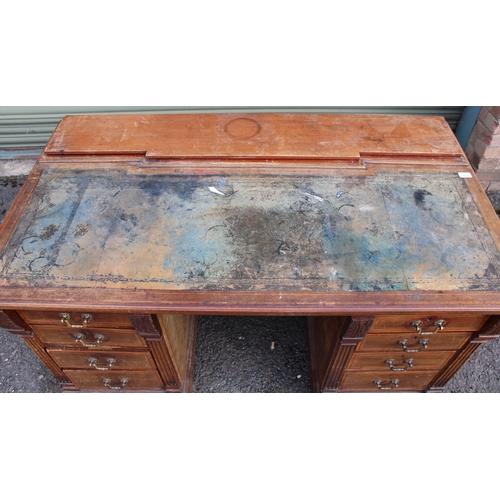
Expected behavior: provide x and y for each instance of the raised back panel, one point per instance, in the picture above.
(255, 136)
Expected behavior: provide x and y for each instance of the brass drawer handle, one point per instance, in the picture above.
(407, 362)
(417, 324)
(66, 318)
(107, 383)
(93, 363)
(98, 339)
(424, 343)
(386, 387)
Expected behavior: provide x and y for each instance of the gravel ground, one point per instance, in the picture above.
(251, 354)
(233, 354)
(9, 187)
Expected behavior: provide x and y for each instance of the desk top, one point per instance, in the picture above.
(392, 235)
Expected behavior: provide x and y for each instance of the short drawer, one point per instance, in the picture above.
(381, 381)
(399, 362)
(92, 338)
(388, 323)
(410, 343)
(109, 320)
(116, 381)
(99, 361)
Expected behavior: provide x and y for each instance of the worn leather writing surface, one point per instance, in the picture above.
(388, 231)
(255, 136)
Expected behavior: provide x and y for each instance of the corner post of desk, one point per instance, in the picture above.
(332, 341)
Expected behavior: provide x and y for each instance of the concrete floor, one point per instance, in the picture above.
(233, 354)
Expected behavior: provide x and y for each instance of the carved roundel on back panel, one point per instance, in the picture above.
(242, 128)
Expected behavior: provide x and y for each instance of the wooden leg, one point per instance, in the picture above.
(332, 341)
(173, 350)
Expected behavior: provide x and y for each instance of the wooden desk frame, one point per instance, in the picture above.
(365, 334)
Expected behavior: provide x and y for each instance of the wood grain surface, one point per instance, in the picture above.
(272, 136)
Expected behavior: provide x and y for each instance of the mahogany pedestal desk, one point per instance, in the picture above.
(129, 226)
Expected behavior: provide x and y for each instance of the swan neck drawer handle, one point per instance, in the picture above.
(98, 339)
(424, 343)
(393, 384)
(407, 362)
(93, 363)
(417, 324)
(107, 383)
(66, 318)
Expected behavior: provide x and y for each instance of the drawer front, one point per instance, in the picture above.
(397, 362)
(97, 361)
(388, 323)
(365, 381)
(391, 342)
(98, 338)
(109, 320)
(117, 381)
